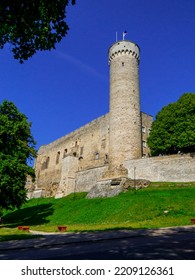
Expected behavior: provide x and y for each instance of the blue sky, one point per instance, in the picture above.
(62, 90)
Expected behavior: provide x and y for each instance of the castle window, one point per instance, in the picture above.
(65, 153)
(97, 156)
(47, 162)
(74, 154)
(143, 129)
(123, 63)
(57, 157)
(106, 158)
(144, 144)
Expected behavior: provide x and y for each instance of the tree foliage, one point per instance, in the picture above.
(173, 130)
(32, 25)
(17, 146)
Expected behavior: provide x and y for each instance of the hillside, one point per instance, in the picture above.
(159, 205)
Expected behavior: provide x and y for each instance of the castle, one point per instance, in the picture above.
(112, 147)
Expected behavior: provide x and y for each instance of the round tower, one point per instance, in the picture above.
(125, 117)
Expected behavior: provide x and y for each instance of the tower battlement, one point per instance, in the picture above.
(124, 48)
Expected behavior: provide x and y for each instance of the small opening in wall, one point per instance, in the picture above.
(106, 158)
(74, 154)
(123, 63)
(47, 162)
(97, 156)
(57, 157)
(144, 144)
(143, 129)
(65, 153)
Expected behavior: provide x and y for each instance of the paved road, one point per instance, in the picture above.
(147, 245)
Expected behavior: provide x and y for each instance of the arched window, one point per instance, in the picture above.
(65, 153)
(47, 162)
(57, 157)
(97, 155)
(106, 158)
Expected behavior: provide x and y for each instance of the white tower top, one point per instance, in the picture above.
(124, 47)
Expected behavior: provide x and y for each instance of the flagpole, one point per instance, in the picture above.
(116, 36)
(124, 34)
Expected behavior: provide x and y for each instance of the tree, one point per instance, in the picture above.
(17, 146)
(173, 130)
(32, 25)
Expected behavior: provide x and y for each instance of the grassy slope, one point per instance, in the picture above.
(133, 209)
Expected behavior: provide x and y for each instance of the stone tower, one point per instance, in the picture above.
(125, 116)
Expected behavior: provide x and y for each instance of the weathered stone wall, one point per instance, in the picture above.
(87, 179)
(89, 145)
(174, 168)
(146, 123)
(68, 180)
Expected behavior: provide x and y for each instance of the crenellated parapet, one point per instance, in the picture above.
(122, 48)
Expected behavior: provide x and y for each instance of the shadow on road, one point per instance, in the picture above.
(112, 245)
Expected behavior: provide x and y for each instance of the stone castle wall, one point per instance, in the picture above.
(86, 180)
(146, 123)
(89, 145)
(76, 160)
(173, 168)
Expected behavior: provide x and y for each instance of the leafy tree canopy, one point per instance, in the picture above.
(32, 25)
(17, 146)
(173, 130)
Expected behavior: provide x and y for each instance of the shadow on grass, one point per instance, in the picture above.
(34, 215)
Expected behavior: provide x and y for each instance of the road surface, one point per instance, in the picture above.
(163, 246)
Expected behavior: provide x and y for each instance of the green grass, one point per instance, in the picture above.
(7, 234)
(133, 209)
